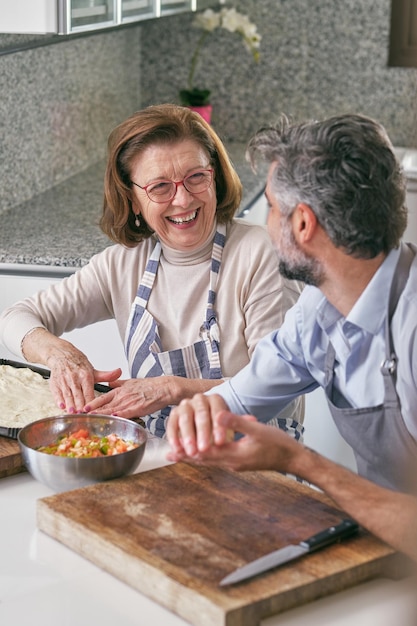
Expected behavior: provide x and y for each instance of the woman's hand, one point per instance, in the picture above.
(72, 375)
(137, 397)
(132, 398)
(73, 378)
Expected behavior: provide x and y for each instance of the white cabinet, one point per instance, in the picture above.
(65, 17)
(101, 342)
(33, 16)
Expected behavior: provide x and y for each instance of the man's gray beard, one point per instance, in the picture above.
(305, 273)
(296, 265)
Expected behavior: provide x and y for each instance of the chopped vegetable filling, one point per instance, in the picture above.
(82, 444)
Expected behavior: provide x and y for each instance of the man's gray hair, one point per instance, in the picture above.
(345, 169)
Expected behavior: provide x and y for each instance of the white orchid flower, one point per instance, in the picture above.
(231, 20)
(207, 21)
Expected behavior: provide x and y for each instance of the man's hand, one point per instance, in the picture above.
(260, 448)
(193, 426)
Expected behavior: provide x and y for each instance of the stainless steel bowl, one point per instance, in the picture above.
(64, 473)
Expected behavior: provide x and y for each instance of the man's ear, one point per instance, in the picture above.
(304, 222)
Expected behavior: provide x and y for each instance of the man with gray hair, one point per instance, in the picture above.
(337, 214)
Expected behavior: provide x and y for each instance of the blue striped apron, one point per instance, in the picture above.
(144, 351)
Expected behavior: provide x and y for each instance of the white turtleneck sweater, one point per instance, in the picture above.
(252, 297)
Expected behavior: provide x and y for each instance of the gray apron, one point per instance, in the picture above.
(143, 347)
(384, 449)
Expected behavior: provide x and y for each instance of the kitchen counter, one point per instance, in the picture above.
(44, 582)
(60, 226)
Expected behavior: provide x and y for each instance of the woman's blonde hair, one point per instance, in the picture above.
(160, 124)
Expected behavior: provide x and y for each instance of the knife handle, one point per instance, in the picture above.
(325, 537)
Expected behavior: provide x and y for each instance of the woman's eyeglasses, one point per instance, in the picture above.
(165, 190)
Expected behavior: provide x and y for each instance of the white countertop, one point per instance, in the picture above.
(43, 583)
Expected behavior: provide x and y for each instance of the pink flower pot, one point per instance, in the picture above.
(204, 111)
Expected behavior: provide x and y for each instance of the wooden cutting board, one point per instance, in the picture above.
(174, 532)
(11, 461)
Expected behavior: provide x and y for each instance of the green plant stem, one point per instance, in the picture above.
(194, 58)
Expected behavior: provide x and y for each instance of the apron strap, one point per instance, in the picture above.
(216, 258)
(148, 277)
(400, 277)
(389, 365)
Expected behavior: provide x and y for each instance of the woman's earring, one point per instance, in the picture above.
(137, 221)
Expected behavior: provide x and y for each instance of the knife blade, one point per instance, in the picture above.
(324, 538)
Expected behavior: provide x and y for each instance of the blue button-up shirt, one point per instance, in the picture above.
(291, 360)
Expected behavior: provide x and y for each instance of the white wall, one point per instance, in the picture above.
(100, 342)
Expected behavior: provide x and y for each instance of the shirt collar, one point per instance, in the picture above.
(371, 308)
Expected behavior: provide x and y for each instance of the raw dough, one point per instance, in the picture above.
(25, 397)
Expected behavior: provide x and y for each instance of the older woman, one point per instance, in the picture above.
(192, 289)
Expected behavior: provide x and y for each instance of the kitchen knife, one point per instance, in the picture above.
(324, 538)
